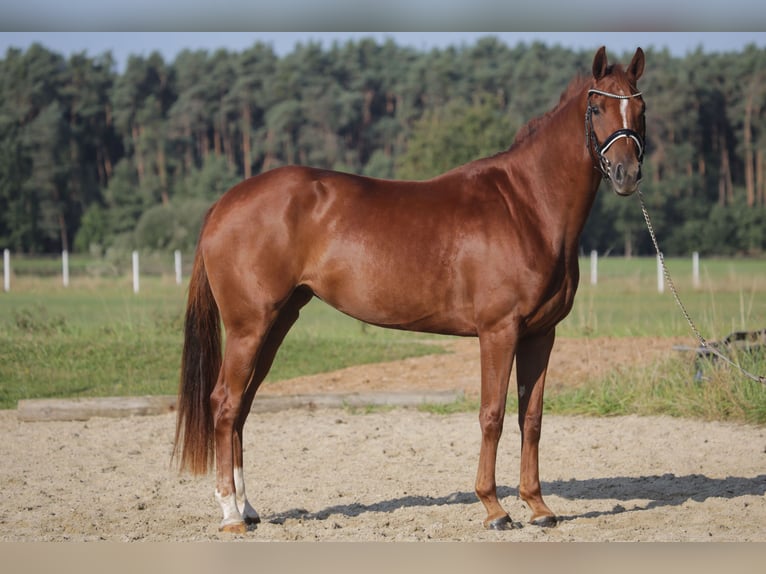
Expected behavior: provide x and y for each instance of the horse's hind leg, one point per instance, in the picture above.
(226, 403)
(287, 317)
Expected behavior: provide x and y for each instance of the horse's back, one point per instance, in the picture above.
(305, 201)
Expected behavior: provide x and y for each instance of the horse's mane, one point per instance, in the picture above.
(575, 87)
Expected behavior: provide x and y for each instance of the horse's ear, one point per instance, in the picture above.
(600, 63)
(636, 67)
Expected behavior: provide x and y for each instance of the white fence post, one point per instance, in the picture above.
(65, 268)
(135, 272)
(179, 275)
(6, 270)
(696, 269)
(594, 267)
(660, 276)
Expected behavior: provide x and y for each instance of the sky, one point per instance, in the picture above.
(410, 15)
(169, 44)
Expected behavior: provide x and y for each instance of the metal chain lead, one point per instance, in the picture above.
(666, 273)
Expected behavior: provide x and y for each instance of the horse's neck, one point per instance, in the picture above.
(563, 179)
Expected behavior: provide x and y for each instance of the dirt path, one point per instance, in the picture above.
(400, 475)
(572, 362)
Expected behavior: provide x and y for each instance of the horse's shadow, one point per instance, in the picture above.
(665, 490)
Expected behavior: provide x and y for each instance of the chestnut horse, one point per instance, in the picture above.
(488, 249)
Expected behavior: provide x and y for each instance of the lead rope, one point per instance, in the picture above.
(703, 343)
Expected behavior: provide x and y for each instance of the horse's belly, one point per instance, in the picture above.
(404, 302)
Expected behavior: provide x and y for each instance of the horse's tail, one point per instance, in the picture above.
(200, 363)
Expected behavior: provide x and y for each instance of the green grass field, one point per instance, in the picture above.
(98, 338)
(626, 302)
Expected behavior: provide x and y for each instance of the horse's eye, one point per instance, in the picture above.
(594, 110)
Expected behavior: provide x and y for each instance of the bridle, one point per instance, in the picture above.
(597, 150)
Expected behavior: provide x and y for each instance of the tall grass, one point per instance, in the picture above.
(670, 388)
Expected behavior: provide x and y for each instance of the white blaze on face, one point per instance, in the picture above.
(624, 113)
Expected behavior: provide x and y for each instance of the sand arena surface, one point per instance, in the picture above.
(333, 474)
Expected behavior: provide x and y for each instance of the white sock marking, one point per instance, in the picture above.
(239, 484)
(231, 514)
(247, 511)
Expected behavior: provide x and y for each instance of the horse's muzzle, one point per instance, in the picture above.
(625, 177)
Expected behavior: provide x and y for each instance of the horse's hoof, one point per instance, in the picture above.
(234, 528)
(544, 521)
(502, 523)
(252, 520)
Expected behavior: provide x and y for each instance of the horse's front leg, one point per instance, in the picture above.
(531, 367)
(497, 351)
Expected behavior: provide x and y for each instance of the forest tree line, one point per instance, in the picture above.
(96, 159)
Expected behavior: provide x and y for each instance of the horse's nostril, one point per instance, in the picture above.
(619, 173)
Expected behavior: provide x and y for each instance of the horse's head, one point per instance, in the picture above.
(614, 121)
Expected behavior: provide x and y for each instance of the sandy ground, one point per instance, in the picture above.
(334, 474)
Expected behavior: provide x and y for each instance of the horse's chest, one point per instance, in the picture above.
(552, 305)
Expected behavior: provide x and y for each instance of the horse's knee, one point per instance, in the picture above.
(491, 422)
(531, 427)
